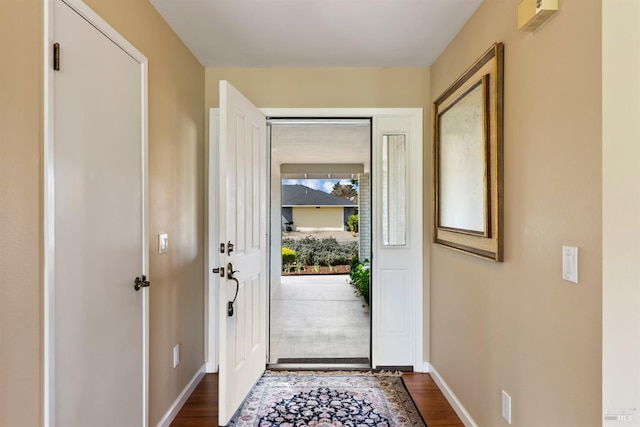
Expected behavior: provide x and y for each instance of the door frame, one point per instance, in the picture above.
(48, 200)
(422, 337)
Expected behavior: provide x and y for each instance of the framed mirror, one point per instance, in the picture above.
(467, 135)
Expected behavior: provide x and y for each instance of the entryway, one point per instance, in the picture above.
(317, 317)
(396, 301)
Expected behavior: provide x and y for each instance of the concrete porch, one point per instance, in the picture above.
(318, 317)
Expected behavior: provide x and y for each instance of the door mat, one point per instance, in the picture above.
(325, 360)
(327, 399)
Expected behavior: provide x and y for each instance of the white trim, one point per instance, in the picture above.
(49, 221)
(339, 112)
(425, 368)
(418, 128)
(144, 75)
(101, 25)
(182, 398)
(453, 400)
(212, 241)
(49, 197)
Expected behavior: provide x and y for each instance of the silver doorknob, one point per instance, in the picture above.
(230, 271)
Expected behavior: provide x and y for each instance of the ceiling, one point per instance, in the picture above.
(322, 147)
(316, 33)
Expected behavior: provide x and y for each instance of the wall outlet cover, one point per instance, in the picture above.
(176, 355)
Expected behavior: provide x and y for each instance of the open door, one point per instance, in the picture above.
(243, 249)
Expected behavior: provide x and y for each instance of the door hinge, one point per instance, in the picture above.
(56, 56)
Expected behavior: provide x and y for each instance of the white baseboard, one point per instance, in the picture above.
(211, 368)
(170, 415)
(425, 368)
(464, 416)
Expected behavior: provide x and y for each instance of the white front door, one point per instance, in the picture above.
(243, 224)
(96, 243)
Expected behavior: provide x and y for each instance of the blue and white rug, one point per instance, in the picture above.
(328, 399)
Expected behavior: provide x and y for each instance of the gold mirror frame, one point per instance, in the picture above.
(467, 155)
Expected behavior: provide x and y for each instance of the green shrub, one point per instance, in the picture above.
(288, 256)
(354, 223)
(360, 279)
(312, 251)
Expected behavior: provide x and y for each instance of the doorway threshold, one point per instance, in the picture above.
(316, 367)
(321, 364)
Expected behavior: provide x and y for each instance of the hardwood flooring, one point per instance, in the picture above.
(201, 410)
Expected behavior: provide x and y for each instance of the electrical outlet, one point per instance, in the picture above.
(176, 355)
(506, 406)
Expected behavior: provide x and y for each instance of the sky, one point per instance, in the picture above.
(325, 185)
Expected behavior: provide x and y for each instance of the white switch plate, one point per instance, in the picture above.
(176, 355)
(163, 243)
(570, 263)
(506, 406)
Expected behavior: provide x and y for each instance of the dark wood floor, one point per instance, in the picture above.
(201, 410)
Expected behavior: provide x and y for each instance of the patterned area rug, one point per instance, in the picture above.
(328, 399)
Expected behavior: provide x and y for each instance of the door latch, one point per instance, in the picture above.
(219, 271)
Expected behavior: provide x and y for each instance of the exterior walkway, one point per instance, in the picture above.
(318, 317)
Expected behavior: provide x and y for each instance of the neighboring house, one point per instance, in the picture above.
(306, 209)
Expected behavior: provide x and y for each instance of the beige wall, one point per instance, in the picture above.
(621, 209)
(176, 151)
(323, 218)
(517, 326)
(323, 87)
(20, 216)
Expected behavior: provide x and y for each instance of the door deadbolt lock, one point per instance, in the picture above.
(228, 247)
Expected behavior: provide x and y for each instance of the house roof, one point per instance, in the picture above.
(301, 195)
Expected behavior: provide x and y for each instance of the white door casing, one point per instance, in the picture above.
(243, 223)
(398, 283)
(398, 335)
(213, 245)
(96, 223)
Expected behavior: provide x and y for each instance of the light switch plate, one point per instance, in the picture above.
(163, 243)
(570, 263)
(506, 406)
